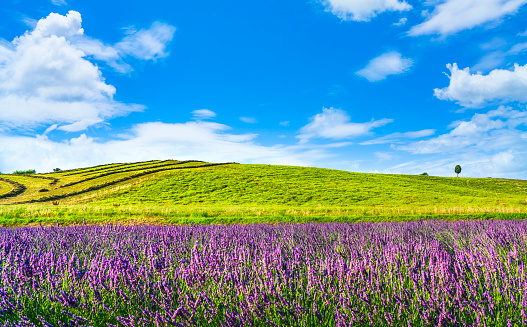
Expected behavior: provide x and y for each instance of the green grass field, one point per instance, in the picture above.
(168, 192)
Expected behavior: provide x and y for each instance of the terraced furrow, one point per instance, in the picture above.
(17, 188)
(99, 168)
(110, 183)
(53, 180)
(4, 187)
(67, 171)
(122, 171)
(144, 166)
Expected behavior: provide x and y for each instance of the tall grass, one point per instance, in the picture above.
(23, 215)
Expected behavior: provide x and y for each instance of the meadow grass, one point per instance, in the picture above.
(303, 186)
(47, 215)
(4, 187)
(180, 192)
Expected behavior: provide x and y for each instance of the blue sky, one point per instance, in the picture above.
(386, 86)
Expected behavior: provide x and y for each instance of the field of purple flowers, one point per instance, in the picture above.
(424, 273)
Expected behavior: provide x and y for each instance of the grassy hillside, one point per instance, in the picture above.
(172, 191)
(81, 184)
(283, 185)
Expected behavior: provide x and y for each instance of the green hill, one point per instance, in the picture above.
(165, 191)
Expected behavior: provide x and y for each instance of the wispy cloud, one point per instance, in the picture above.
(395, 137)
(249, 120)
(385, 156)
(401, 22)
(363, 10)
(199, 140)
(452, 16)
(203, 114)
(497, 57)
(147, 44)
(59, 2)
(390, 63)
(336, 124)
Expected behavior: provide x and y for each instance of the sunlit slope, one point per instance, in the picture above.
(197, 183)
(84, 184)
(300, 186)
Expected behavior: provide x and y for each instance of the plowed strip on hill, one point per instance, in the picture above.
(119, 172)
(143, 167)
(108, 180)
(101, 169)
(5, 187)
(14, 187)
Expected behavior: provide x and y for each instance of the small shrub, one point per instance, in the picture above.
(424, 174)
(57, 169)
(24, 172)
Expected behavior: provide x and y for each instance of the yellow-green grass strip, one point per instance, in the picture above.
(139, 166)
(103, 169)
(105, 183)
(31, 215)
(176, 165)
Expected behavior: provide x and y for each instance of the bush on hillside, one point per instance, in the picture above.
(23, 172)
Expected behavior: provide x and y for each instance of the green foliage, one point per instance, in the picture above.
(24, 172)
(457, 170)
(56, 170)
(424, 174)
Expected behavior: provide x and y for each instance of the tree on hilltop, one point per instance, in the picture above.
(458, 170)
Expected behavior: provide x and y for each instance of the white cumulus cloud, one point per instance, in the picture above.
(363, 10)
(336, 124)
(390, 63)
(490, 144)
(494, 131)
(198, 140)
(476, 90)
(452, 16)
(46, 76)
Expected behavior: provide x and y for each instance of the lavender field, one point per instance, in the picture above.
(424, 273)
